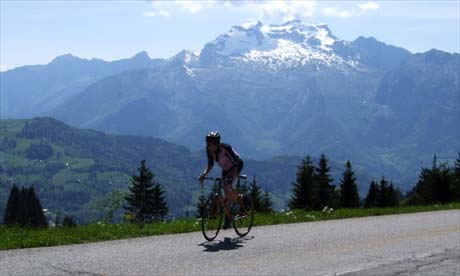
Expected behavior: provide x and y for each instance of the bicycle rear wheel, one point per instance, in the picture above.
(212, 219)
(243, 216)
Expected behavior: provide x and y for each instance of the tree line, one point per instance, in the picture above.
(314, 189)
(24, 208)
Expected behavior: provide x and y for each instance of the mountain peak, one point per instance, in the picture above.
(291, 43)
(249, 25)
(255, 37)
(141, 56)
(65, 58)
(186, 56)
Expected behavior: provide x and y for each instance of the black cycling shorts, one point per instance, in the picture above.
(239, 168)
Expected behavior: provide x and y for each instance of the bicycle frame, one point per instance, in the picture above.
(241, 217)
(219, 196)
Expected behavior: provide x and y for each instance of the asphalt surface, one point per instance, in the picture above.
(412, 244)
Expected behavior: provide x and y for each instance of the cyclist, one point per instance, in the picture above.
(230, 162)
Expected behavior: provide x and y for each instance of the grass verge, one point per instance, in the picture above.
(19, 237)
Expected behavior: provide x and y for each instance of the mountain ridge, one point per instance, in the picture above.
(266, 110)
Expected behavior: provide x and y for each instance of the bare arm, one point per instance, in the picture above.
(208, 167)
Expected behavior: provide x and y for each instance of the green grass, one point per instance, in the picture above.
(17, 237)
(295, 216)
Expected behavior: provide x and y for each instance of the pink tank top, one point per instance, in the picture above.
(224, 162)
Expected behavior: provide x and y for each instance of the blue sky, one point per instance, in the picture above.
(34, 32)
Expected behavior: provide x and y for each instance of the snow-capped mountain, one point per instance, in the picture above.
(273, 90)
(256, 83)
(289, 45)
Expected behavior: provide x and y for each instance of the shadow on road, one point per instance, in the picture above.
(226, 244)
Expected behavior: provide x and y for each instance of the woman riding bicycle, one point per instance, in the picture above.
(228, 159)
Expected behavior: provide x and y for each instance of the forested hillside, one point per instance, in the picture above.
(72, 169)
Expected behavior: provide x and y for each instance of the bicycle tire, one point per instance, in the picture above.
(212, 219)
(243, 219)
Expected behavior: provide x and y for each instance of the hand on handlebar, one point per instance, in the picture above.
(201, 177)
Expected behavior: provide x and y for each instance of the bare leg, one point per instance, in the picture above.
(231, 194)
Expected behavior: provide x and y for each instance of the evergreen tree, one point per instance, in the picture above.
(323, 179)
(256, 194)
(140, 201)
(443, 179)
(37, 216)
(393, 196)
(349, 197)
(434, 185)
(422, 192)
(382, 195)
(455, 182)
(160, 207)
(23, 212)
(372, 198)
(383, 192)
(303, 190)
(12, 207)
(24, 208)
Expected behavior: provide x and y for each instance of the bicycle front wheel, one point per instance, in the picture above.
(212, 219)
(243, 216)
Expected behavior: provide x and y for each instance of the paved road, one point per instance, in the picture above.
(385, 245)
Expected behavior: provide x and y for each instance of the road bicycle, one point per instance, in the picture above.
(240, 213)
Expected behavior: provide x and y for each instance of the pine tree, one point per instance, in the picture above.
(393, 196)
(422, 192)
(303, 190)
(256, 194)
(24, 208)
(443, 179)
(37, 217)
(12, 207)
(326, 190)
(160, 207)
(141, 198)
(372, 198)
(349, 197)
(383, 192)
(455, 182)
(433, 186)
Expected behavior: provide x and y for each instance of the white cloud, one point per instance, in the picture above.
(159, 12)
(369, 6)
(190, 6)
(262, 9)
(169, 8)
(337, 12)
(351, 11)
(287, 10)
